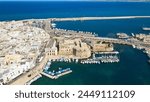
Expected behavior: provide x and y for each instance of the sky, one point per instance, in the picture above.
(47, 0)
(74, 0)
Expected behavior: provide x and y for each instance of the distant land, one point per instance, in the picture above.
(125, 0)
(87, 0)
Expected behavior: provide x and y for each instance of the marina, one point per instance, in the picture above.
(62, 59)
(106, 57)
(109, 59)
(90, 61)
(102, 57)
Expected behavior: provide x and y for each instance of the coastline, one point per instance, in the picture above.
(104, 27)
(37, 70)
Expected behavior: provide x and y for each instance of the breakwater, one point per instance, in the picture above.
(97, 18)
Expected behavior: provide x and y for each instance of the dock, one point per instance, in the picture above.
(102, 57)
(47, 75)
(114, 52)
(53, 76)
(99, 60)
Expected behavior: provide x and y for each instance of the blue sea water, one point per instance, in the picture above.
(28, 10)
(107, 28)
(133, 67)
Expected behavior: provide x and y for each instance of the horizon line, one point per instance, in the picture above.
(68, 1)
(81, 0)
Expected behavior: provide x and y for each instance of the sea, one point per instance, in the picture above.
(133, 68)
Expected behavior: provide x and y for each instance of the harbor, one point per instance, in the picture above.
(73, 35)
(96, 58)
(42, 38)
(83, 73)
(83, 47)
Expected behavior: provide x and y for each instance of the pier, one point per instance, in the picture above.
(102, 57)
(47, 75)
(114, 52)
(56, 75)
